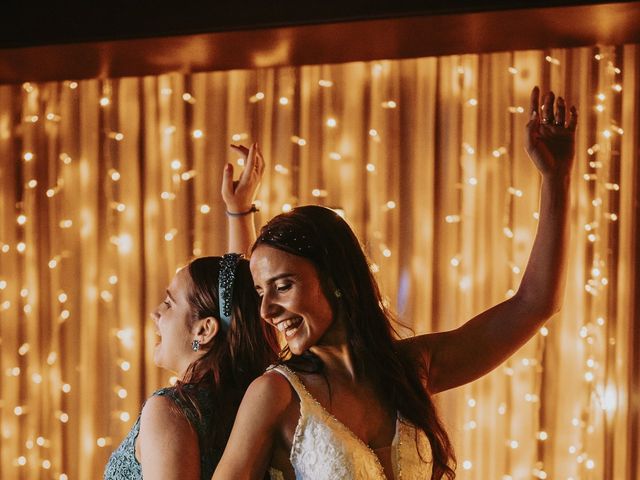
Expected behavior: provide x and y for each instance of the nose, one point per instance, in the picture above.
(268, 308)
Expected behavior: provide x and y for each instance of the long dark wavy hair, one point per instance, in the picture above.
(323, 237)
(238, 353)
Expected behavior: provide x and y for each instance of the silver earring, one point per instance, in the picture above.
(195, 345)
(337, 293)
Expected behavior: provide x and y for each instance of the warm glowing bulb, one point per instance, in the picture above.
(467, 465)
(124, 416)
(204, 208)
(104, 101)
(64, 418)
(371, 167)
(28, 156)
(122, 393)
(101, 442)
(22, 219)
(331, 122)
(283, 101)
(197, 134)
(176, 164)
(66, 388)
(125, 366)
(325, 83)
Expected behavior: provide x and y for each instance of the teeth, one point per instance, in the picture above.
(287, 324)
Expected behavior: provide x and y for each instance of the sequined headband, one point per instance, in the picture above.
(227, 274)
(289, 238)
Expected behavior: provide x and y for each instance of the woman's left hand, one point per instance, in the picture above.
(550, 137)
(239, 195)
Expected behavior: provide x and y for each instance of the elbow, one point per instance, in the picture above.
(539, 306)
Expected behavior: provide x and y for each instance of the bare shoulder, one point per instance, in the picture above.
(420, 347)
(271, 390)
(167, 444)
(159, 413)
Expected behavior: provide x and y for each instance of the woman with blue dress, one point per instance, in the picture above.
(211, 336)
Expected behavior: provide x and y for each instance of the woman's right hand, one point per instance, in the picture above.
(239, 195)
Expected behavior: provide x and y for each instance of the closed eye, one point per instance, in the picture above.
(284, 287)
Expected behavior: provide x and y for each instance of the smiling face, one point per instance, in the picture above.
(173, 325)
(292, 297)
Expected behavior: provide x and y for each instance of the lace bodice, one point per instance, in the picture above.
(323, 448)
(123, 463)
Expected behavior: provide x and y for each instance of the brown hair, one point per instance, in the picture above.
(239, 352)
(323, 237)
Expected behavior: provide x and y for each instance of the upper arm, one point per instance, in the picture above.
(459, 356)
(256, 429)
(168, 444)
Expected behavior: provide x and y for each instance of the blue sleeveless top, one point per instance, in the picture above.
(123, 463)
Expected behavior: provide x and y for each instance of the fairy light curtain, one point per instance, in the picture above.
(108, 186)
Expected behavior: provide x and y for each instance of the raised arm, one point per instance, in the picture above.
(238, 197)
(460, 356)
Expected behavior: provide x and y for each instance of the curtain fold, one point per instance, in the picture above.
(108, 186)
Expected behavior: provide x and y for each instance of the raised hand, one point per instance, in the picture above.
(239, 195)
(550, 137)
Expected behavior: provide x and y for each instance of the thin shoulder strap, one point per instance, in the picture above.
(305, 397)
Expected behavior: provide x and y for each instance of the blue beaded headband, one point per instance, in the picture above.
(228, 264)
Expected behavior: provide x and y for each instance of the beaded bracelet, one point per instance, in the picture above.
(242, 214)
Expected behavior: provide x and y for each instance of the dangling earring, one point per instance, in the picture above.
(195, 345)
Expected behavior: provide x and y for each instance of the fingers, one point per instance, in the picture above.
(560, 112)
(244, 151)
(547, 108)
(227, 181)
(573, 119)
(535, 100)
(249, 164)
(260, 163)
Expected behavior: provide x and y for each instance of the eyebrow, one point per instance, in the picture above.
(278, 277)
(171, 296)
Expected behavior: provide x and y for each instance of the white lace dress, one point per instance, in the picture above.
(323, 448)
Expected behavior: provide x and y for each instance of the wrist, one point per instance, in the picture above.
(241, 212)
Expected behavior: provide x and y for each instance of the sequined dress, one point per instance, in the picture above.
(323, 448)
(123, 463)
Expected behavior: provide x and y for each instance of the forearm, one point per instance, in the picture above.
(242, 233)
(543, 282)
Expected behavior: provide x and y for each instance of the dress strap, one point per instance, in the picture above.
(306, 400)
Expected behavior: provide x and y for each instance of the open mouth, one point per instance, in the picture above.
(290, 327)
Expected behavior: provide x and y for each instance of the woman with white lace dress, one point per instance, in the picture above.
(348, 400)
